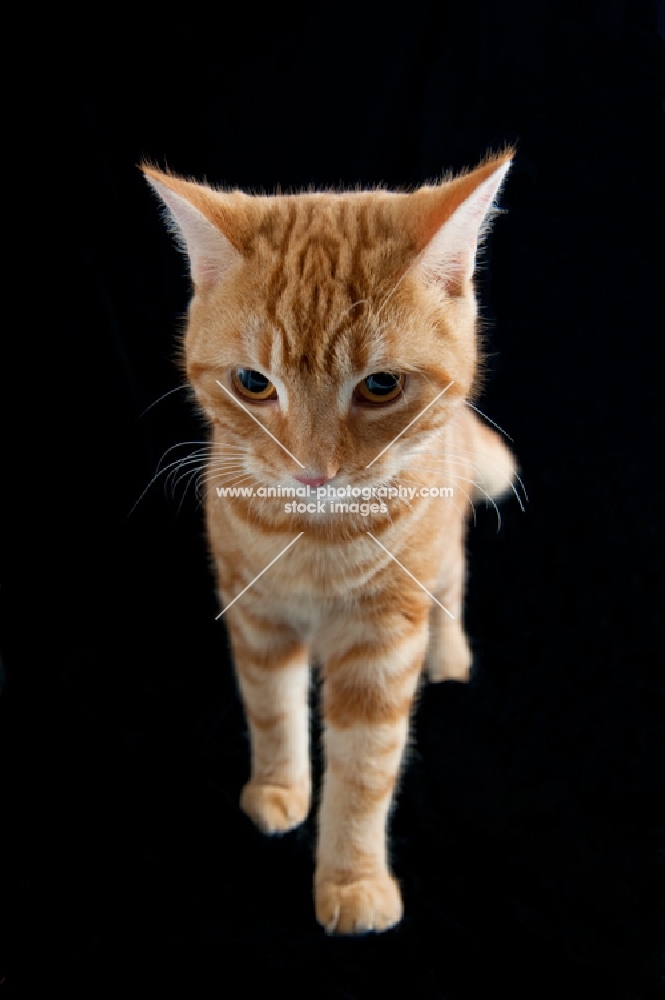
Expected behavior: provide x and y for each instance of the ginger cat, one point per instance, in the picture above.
(331, 342)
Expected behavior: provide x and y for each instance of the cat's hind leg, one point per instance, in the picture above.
(448, 654)
(448, 657)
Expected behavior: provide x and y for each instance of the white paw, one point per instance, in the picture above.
(370, 904)
(274, 808)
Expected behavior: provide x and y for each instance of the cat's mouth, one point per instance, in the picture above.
(312, 482)
(342, 484)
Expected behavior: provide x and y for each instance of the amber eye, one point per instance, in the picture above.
(253, 385)
(381, 387)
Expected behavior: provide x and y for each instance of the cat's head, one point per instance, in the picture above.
(334, 320)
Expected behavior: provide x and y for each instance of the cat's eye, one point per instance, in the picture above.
(380, 387)
(253, 385)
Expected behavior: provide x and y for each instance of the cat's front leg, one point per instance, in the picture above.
(272, 668)
(369, 686)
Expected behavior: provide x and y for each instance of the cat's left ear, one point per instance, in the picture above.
(453, 219)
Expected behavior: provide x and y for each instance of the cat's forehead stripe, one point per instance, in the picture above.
(321, 262)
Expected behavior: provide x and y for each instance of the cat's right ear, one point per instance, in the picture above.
(192, 211)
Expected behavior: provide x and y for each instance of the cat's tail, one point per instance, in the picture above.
(494, 465)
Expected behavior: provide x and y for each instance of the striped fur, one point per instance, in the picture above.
(317, 292)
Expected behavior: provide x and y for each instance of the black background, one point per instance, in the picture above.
(526, 832)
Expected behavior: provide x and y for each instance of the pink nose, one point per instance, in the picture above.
(306, 481)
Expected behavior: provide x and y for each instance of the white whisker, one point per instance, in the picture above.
(489, 421)
(485, 493)
(209, 455)
(178, 388)
(160, 472)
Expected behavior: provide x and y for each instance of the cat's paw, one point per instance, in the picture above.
(451, 661)
(275, 808)
(370, 904)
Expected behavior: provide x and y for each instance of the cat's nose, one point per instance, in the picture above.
(313, 482)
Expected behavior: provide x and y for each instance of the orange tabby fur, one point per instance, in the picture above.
(317, 292)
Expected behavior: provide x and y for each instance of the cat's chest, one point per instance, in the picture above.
(302, 614)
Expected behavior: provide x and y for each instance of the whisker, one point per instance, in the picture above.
(455, 478)
(459, 452)
(489, 421)
(172, 478)
(208, 473)
(219, 476)
(462, 490)
(158, 473)
(178, 388)
(210, 467)
(480, 488)
(181, 444)
(229, 484)
(207, 452)
(463, 451)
